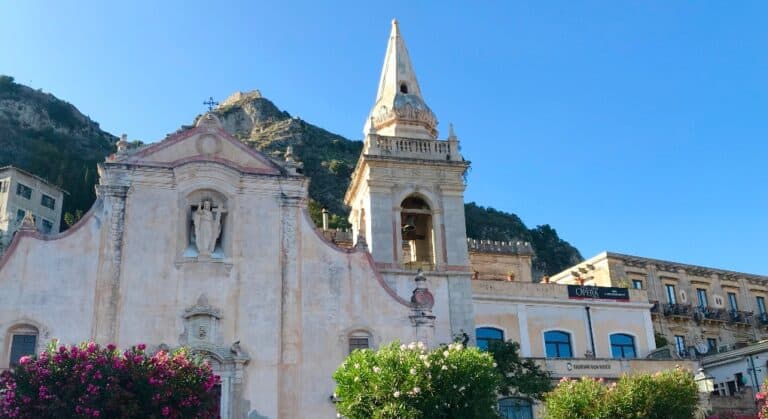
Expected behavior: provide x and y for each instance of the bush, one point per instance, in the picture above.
(94, 381)
(670, 394)
(762, 402)
(400, 381)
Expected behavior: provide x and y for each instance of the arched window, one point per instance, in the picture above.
(623, 346)
(485, 335)
(515, 408)
(23, 342)
(416, 228)
(359, 340)
(403, 88)
(558, 344)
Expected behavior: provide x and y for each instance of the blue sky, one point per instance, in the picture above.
(629, 126)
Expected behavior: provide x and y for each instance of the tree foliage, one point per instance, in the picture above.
(551, 253)
(519, 376)
(670, 394)
(412, 382)
(94, 381)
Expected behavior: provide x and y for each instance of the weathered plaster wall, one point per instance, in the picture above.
(50, 283)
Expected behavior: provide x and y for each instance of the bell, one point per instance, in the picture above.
(410, 224)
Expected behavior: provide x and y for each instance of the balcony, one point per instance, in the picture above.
(713, 314)
(762, 319)
(678, 310)
(740, 317)
(656, 309)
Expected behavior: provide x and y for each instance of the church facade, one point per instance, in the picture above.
(201, 241)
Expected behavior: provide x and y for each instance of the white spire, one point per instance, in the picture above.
(400, 109)
(397, 72)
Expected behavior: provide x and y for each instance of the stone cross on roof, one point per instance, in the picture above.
(210, 103)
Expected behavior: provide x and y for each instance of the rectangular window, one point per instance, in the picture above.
(680, 346)
(23, 191)
(712, 344)
(46, 226)
(761, 306)
(558, 344)
(702, 294)
(358, 343)
(3, 186)
(671, 295)
(20, 215)
(47, 201)
(637, 284)
(22, 345)
(732, 303)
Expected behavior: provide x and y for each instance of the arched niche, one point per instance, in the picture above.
(417, 232)
(206, 214)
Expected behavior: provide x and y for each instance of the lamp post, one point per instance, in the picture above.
(706, 385)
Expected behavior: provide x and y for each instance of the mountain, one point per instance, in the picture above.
(328, 158)
(51, 138)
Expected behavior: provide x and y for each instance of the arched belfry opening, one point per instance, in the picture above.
(417, 233)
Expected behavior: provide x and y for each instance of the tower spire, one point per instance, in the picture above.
(400, 109)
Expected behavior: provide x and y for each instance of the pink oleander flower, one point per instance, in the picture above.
(24, 360)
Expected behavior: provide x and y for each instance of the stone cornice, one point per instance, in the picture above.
(410, 161)
(700, 271)
(549, 301)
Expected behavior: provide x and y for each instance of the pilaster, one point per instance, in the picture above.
(289, 381)
(107, 297)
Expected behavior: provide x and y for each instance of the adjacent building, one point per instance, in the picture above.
(696, 310)
(736, 377)
(23, 193)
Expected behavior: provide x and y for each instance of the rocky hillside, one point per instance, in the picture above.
(52, 139)
(328, 158)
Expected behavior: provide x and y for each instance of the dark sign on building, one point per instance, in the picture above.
(581, 292)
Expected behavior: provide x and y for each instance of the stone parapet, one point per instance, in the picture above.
(503, 247)
(413, 148)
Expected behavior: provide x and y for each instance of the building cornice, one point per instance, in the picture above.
(712, 360)
(669, 266)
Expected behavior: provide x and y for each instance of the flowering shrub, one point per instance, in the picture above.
(762, 402)
(410, 381)
(667, 394)
(94, 381)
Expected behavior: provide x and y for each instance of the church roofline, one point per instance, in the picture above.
(214, 127)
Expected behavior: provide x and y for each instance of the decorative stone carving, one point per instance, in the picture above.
(202, 335)
(207, 221)
(28, 223)
(208, 144)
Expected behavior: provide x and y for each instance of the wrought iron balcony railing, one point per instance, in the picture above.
(680, 310)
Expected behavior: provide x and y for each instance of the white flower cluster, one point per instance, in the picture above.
(414, 345)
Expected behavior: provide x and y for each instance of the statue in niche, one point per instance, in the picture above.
(207, 222)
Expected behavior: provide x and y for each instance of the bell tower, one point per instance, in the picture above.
(407, 191)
